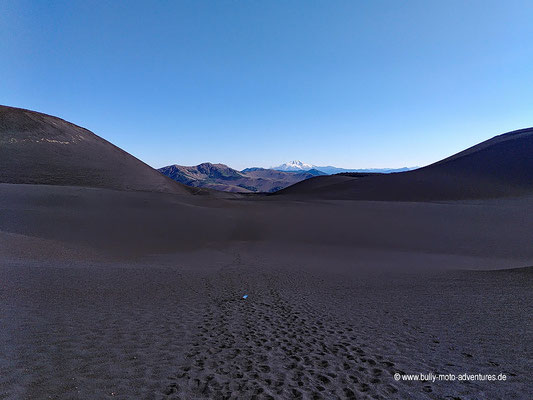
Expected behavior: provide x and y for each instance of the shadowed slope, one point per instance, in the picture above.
(499, 167)
(41, 149)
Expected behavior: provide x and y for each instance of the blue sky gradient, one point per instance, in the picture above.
(355, 84)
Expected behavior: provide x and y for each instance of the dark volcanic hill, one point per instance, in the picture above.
(222, 177)
(499, 167)
(37, 148)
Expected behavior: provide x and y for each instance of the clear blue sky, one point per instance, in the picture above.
(257, 83)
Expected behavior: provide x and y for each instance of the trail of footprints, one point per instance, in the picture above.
(268, 349)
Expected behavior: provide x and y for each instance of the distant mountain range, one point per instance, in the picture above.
(293, 166)
(255, 179)
(222, 177)
(40, 149)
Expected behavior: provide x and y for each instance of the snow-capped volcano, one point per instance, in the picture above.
(294, 166)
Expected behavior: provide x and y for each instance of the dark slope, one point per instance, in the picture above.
(499, 167)
(37, 148)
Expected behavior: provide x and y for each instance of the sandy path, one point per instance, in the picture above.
(272, 345)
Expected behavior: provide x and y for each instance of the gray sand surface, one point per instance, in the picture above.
(109, 294)
(171, 329)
